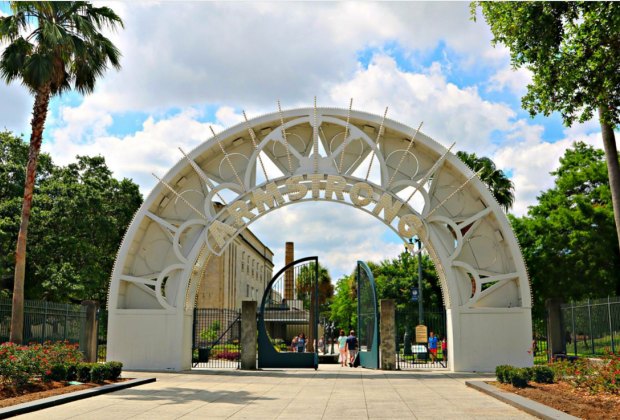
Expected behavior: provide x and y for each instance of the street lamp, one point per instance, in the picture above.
(420, 295)
(331, 336)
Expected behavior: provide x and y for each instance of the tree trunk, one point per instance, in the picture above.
(613, 168)
(39, 114)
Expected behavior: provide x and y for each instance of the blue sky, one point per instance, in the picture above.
(426, 61)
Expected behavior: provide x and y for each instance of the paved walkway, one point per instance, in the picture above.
(331, 392)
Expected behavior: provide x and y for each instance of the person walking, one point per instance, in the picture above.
(444, 349)
(352, 347)
(301, 343)
(432, 346)
(342, 346)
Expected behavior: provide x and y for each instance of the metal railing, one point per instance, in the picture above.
(413, 355)
(46, 321)
(216, 338)
(592, 327)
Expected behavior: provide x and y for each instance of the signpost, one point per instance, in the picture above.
(415, 294)
(421, 334)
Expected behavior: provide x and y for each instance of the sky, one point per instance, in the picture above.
(188, 65)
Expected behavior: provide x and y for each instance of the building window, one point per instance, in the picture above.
(242, 260)
(247, 290)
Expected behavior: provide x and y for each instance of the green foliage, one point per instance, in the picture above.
(503, 373)
(304, 283)
(83, 371)
(37, 30)
(116, 368)
(212, 333)
(569, 47)
(343, 311)
(519, 377)
(20, 365)
(100, 372)
(79, 209)
(542, 374)
(594, 376)
(568, 239)
(396, 278)
(499, 184)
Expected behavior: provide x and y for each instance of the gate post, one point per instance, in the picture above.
(248, 335)
(555, 335)
(91, 327)
(388, 334)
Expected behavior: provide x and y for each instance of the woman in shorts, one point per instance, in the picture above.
(342, 346)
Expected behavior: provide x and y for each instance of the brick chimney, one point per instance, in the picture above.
(289, 276)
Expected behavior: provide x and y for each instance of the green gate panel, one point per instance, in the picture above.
(367, 317)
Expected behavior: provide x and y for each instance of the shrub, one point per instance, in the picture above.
(115, 369)
(58, 372)
(83, 372)
(72, 372)
(503, 373)
(99, 372)
(519, 377)
(542, 374)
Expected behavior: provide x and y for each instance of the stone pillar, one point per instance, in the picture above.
(91, 326)
(289, 276)
(248, 335)
(555, 333)
(387, 327)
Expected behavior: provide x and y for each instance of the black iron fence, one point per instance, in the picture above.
(592, 327)
(539, 347)
(412, 353)
(46, 321)
(102, 334)
(216, 338)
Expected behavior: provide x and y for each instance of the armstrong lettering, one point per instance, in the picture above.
(311, 187)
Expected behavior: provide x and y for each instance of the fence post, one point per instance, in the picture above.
(387, 330)
(89, 347)
(611, 329)
(572, 314)
(555, 336)
(248, 335)
(590, 323)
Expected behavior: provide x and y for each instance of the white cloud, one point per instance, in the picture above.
(449, 113)
(515, 81)
(532, 159)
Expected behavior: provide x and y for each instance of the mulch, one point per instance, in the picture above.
(564, 397)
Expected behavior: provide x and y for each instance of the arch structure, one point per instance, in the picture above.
(411, 183)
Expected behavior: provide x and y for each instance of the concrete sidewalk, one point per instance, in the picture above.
(331, 392)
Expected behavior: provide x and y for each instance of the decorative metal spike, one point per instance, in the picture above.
(402, 158)
(288, 152)
(454, 192)
(232, 167)
(379, 134)
(180, 196)
(315, 135)
(201, 174)
(430, 172)
(255, 143)
(345, 140)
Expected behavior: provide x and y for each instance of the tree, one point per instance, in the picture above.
(53, 47)
(343, 309)
(568, 239)
(305, 285)
(79, 209)
(571, 49)
(500, 185)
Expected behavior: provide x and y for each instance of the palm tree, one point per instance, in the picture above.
(500, 185)
(53, 47)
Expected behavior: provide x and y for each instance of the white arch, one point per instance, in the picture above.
(465, 231)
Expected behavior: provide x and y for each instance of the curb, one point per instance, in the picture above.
(531, 407)
(29, 407)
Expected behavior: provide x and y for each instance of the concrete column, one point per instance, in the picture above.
(91, 326)
(555, 333)
(248, 335)
(387, 327)
(289, 276)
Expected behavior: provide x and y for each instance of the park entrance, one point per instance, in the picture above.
(405, 179)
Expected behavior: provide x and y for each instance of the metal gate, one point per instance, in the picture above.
(216, 338)
(288, 317)
(412, 353)
(367, 317)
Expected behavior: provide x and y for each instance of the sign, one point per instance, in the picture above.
(415, 294)
(421, 334)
